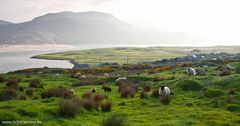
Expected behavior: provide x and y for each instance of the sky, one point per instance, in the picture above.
(216, 20)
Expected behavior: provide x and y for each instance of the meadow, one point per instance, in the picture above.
(202, 100)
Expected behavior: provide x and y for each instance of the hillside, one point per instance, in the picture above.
(42, 95)
(85, 28)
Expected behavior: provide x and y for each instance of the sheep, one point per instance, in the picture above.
(106, 89)
(121, 78)
(191, 72)
(228, 67)
(106, 75)
(83, 77)
(94, 90)
(72, 90)
(164, 91)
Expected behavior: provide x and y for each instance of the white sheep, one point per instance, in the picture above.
(164, 91)
(83, 77)
(106, 75)
(191, 72)
(78, 74)
(72, 90)
(121, 78)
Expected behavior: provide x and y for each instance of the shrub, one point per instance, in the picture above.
(91, 81)
(210, 93)
(230, 100)
(114, 120)
(97, 100)
(157, 79)
(225, 73)
(69, 107)
(29, 91)
(128, 91)
(2, 79)
(155, 93)
(233, 108)
(57, 92)
(36, 83)
(88, 104)
(22, 97)
(146, 88)
(143, 95)
(190, 85)
(87, 95)
(106, 107)
(238, 70)
(13, 83)
(8, 94)
(231, 91)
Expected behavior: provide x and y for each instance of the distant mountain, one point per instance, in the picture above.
(83, 28)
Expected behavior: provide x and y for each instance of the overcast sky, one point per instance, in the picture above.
(216, 20)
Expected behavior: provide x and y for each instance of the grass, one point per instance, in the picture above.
(130, 54)
(186, 107)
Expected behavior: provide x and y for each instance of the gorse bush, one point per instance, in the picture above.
(106, 107)
(36, 83)
(29, 91)
(146, 88)
(57, 92)
(155, 92)
(115, 120)
(69, 107)
(13, 83)
(8, 94)
(2, 79)
(143, 95)
(128, 92)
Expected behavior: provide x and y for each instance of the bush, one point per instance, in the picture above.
(143, 95)
(146, 88)
(231, 91)
(225, 73)
(155, 93)
(230, 100)
(106, 107)
(22, 97)
(29, 92)
(97, 100)
(88, 104)
(36, 83)
(210, 93)
(69, 107)
(8, 94)
(2, 79)
(91, 81)
(57, 92)
(87, 95)
(157, 79)
(13, 83)
(233, 108)
(190, 85)
(128, 91)
(115, 120)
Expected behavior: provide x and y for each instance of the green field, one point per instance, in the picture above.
(206, 100)
(131, 54)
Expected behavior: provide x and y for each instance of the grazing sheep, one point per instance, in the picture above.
(121, 78)
(72, 90)
(106, 75)
(94, 90)
(106, 89)
(164, 91)
(83, 77)
(229, 67)
(191, 72)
